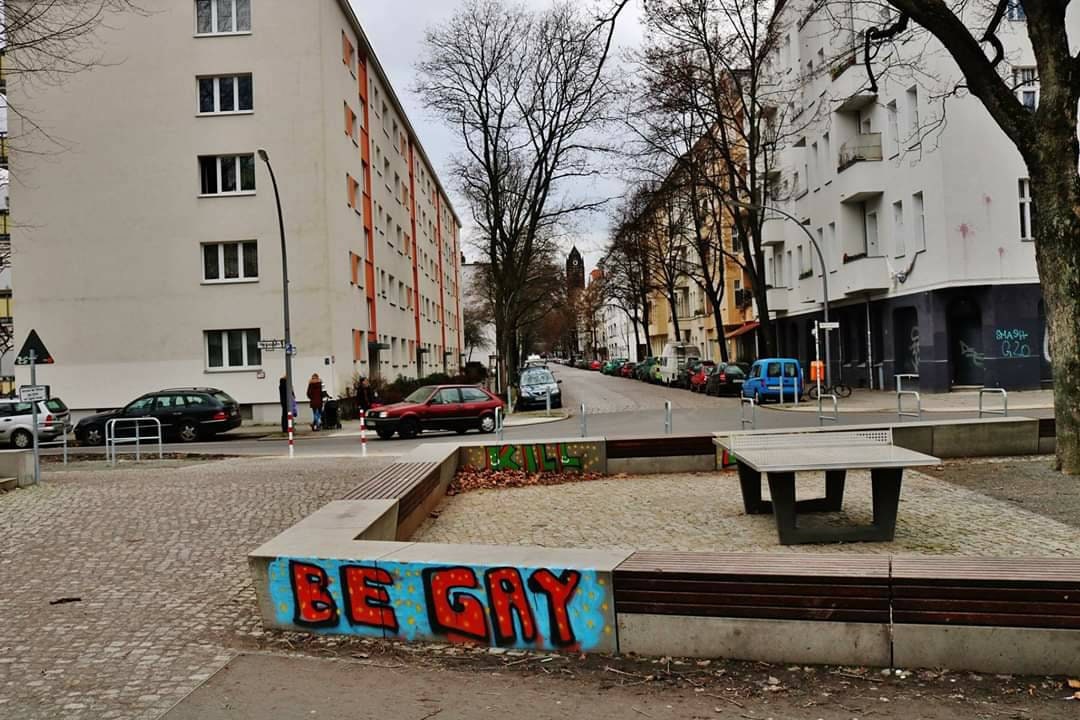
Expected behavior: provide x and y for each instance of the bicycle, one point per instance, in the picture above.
(839, 389)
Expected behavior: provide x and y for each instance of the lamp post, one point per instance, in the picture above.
(824, 272)
(289, 398)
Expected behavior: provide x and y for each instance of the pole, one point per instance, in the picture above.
(667, 417)
(869, 349)
(363, 432)
(584, 422)
(289, 396)
(34, 417)
(290, 433)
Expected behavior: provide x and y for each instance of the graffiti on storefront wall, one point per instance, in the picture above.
(532, 608)
(1014, 342)
(535, 457)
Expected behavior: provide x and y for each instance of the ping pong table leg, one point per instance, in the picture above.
(886, 484)
(834, 495)
(750, 483)
(782, 489)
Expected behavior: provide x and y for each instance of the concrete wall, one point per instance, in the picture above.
(569, 455)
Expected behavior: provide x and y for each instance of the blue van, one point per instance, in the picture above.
(771, 375)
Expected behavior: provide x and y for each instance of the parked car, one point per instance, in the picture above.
(627, 369)
(771, 377)
(611, 367)
(700, 375)
(186, 414)
(673, 360)
(595, 365)
(644, 369)
(437, 407)
(17, 422)
(727, 379)
(533, 387)
(654, 372)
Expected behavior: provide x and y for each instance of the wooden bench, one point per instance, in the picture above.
(780, 455)
(749, 585)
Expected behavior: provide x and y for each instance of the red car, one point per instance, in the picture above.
(627, 370)
(701, 376)
(437, 407)
(595, 365)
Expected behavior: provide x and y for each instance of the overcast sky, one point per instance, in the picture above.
(396, 30)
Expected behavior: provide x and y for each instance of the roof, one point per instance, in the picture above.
(374, 63)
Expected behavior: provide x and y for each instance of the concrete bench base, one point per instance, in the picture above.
(775, 641)
(1007, 650)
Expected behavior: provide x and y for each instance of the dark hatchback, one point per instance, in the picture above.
(185, 414)
(727, 379)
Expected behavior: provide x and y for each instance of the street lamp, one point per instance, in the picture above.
(824, 272)
(289, 398)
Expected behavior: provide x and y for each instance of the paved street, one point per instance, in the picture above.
(616, 407)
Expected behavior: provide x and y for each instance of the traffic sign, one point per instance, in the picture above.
(33, 393)
(271, 344)
(33, 343)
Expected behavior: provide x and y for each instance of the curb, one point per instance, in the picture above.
(811, 406)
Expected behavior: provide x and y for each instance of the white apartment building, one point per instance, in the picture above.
(920, 206)
(619, 334)
(149, 253)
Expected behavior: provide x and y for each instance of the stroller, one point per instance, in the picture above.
(331, 417)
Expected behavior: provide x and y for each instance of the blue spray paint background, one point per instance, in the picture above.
(591, 610)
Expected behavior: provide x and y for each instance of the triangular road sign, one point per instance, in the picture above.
(41, 355)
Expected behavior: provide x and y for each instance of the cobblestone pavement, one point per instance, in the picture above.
(157, 556)
(703, 512)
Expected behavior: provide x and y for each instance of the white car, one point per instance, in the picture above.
(16, 421)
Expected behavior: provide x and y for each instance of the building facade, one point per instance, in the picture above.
(150, 255)
(920, 207)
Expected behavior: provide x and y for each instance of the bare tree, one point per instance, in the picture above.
(627, 264)
(528, 92)
(1046, 138)
(707, 80)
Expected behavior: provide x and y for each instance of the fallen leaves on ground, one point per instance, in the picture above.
(468, 480)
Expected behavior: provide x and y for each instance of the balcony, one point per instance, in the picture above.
(3, 151)
(3, 74)
(777, 299)
(860, 275)
(773, 229)
(864, 147)
(850, 87)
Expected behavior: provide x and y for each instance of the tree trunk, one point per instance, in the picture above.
(674, 306)
(1055, 193)
(719, 320)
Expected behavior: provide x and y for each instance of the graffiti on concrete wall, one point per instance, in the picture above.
(536, 457)
(531, 608)
(1014, 342)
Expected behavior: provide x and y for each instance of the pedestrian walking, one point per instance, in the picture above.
(315, 398)
(365, 394)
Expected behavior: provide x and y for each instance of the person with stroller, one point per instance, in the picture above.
(315, 399)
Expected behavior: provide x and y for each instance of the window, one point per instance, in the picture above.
(350, 123)
(214, 17)
(801, 259)
(1024, 187)
(871, 234)
(831, 248)
(918, 217)
(894, 129)
(233, 349)
(227, 174)
(446, 396)
(913, 114)
(230, 262)
(1015, 10)
(354, 268)
(225, 94)
(898, 229)
(816, 156)
(1026, 87)
(352, 189)
(826, 146)
(348, 53)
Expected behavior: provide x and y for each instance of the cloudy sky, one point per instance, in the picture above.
(396, 29)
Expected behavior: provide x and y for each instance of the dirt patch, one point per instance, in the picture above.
(1030, 483)
(467, 480)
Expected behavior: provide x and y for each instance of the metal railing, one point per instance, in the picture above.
(62, 441)
(743, 420)
(112, 439)
(822, 418)
(1004, 411)
(901, 413)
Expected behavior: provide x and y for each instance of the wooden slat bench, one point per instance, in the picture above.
(747, 585)
(1003, 592)
(660, 447)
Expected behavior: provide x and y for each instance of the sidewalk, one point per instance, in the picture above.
(873, 401)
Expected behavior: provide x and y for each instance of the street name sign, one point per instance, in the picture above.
(33, 393)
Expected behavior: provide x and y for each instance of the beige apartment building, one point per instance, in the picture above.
(148, 253)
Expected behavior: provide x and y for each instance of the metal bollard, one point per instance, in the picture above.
(363, 432)
(548, 402)
(584, 421)
(499, 422)
(667, 418)
(290, 434)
